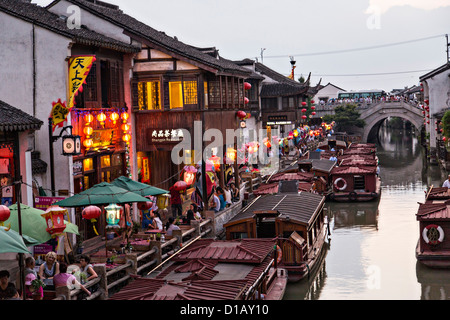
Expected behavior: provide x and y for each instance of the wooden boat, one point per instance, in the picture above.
(296, 220)
(433, 247)
(211, 269)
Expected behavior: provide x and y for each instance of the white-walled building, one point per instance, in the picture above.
(327, 92)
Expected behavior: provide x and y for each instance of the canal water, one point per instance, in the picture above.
(371, 255)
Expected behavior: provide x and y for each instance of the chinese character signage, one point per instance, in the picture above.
(145, 170)
(79, 67)
(44, 202)
(59, 113)
(164, 135)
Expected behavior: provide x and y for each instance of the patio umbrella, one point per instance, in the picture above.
(99, 194)
(11, 241)
(138, 187)
(33, 224)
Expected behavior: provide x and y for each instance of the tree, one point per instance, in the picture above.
(446, 124)
(346, 117)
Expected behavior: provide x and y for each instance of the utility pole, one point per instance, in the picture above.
(262, 52)
(446, 39)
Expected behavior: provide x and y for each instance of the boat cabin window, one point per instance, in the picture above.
(238, 235)
(359, 183)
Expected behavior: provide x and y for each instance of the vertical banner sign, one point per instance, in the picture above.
(79, 67)
(59, 113)
(145, 170)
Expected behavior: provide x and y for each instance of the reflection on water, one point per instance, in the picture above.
(372, 249)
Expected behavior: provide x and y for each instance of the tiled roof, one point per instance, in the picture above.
(13, 119)
(325, 165)
(42, 17)
(359, 151)
(304, 176)
(118, 17)
(362, 145)
(433, 211)
(244, 251)
(300, 207)
(441, 193)
(354, 170)
(357, 162)
(356, 156)
(272, 188)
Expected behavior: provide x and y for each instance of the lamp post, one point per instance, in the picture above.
(71, 146)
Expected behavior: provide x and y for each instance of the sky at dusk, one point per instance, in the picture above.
(354, 44)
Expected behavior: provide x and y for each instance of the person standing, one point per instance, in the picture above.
(176, 202)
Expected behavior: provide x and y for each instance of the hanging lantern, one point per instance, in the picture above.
(5, 213)
(426, 101)
(124, 116)
(125, 127)
(91, 213)
(303, 110)
(144, 205)
(247, 86)
(246, 101)
(303, 103)
(180, 185)
(313, 113)
(189, 177)
(312, 101)
(54, 217)
(114, 117)
(88, 143)
(313, 107)
(113, 215)
(444, 138)
(88, 118)
(231, 155)
(88, 131)
(241, 114)
(126, 137)
(216, 162)
(303, 117)
(101, 117)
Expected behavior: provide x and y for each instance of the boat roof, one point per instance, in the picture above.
(349, 162)
(301, 207)
(320, 164)
(359, 151)
(362, 145)
(433, 211)
(354, 170)
(272, 188)
(301, 176)
(438, 193)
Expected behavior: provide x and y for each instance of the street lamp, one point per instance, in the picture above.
(71, 146)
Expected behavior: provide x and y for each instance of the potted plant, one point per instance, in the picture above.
(37, 284)
(80, 239)
(158, 236)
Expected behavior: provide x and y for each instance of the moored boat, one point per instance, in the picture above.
(296, 220)
(433, 247)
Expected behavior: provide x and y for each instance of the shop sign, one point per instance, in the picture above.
(165, 135)
(79, 67)
(44, 202)
(278, 120)
(77, 168)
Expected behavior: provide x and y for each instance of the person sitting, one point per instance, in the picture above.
(29, 288)
(64, 279)
(157, 223)
(170, 226)
(189, 217)
(227, 193)
(5, 284)
(87, 269)
(446, 183)
(234, 192)
(216, 203)
(49, 269)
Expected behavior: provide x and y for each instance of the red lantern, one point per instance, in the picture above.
(313, 107)
(145, 205)
(421, 89)
(444, 138)
(5, 213)
(312, 101)
(246, 101)
(180, 185)
(303, 103)
(313, 113)
(303, 110)
(241, 114)
(247, 86)
(189, 177)
(303, 117)
(54, 217)
(91, 213)
(426, 101)
(428, 121)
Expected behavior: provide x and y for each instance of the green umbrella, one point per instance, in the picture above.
(101, 194)
(11, 241)
(33, 224)
(138, 187)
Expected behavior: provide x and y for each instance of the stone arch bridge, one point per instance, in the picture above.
(375, 114)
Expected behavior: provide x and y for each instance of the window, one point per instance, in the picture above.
(149, 97)
(190, 92)
(359, 183)
(176, 95)
(88, 164)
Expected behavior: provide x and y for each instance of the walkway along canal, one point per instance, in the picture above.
(372, 250)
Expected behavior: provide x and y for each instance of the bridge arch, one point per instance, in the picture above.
(376, 114)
